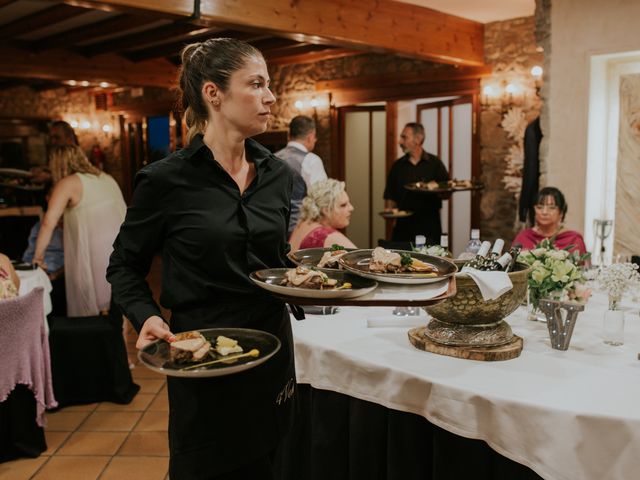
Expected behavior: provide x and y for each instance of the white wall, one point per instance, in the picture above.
(580, 29)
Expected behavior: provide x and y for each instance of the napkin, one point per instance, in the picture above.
(491, 284)
(378, 321)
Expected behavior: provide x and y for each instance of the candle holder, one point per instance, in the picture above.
(559, 323)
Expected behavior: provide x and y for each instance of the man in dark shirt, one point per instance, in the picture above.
(415, 165)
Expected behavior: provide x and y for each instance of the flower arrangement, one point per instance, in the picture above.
(616, 279)
(555, 274)
(435, 250)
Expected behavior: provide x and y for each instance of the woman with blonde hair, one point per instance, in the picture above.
(92, 208)
(325, 210)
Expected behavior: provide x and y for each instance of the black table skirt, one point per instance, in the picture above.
(89, 361)
(20, 435)
(338, 437)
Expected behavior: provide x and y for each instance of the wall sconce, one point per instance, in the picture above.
(536, 73)
(307, 103)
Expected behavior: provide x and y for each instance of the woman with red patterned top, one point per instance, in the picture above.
(325, 210)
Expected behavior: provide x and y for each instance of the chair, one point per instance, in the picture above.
(25, 384)
(89, 360)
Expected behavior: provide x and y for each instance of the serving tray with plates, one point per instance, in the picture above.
(443, 187)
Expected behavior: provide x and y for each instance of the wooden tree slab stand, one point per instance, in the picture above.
(485, 354)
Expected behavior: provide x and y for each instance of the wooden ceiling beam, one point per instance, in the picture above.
(173, 48)
(373, 25)
(312, 57)
(438, 73)
(94, 30)
(62, 65)
(375, 93)
(40, 19)
(140, 39)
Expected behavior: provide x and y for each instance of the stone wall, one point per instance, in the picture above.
(511, 49)
(60, 104)
(297, 82)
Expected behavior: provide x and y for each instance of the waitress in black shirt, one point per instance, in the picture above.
(216, 211)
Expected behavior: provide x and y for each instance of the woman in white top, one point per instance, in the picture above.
(92, 208)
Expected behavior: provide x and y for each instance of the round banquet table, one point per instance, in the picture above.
(30, 279)
(562, 414)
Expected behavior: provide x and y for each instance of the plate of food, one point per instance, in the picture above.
(398, 266)
(449, 186)
(309, 282)
(211, 352)
(324, 258)
(395, 213)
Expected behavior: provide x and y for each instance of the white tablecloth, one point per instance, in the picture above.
(567, 415)
(30, 279)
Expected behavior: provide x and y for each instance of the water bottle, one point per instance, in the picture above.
(444, 241)
(474, 243)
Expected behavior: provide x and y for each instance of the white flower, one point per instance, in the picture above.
(514, 123)
(617, 278)
(558, 254)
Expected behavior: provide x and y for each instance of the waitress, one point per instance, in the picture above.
(216, 210)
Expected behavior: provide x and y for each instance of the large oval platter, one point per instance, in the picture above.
(271, 278)
(155, 356)
(357, 262)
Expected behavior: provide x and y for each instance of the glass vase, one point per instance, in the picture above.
(613, 323)
(533, 309)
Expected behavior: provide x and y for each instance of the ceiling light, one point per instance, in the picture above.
(84, 83)
(299, 104)
(104, 84)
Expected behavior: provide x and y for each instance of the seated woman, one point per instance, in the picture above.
(9, 280)
(92, 208)
(550, 210)
(325, 209)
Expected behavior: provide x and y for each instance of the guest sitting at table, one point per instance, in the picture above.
(9, 280)
(550, 210)
(92, 208)
(325, 210)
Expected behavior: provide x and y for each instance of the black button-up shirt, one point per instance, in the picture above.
(211, 237)
(403, 171)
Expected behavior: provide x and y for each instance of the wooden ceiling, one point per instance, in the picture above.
(137, 42)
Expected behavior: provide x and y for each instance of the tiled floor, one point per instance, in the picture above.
(106, 441)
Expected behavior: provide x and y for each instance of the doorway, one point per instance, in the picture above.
(448, 128)
(363, 144)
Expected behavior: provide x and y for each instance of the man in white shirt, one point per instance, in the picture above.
(308, 166)
(302, 139)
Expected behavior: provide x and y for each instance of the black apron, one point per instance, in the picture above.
(217, 425)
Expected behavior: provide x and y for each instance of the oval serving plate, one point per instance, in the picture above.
(443, 187)
(155, 356)
(358, 262)
(270, 280)
(398, 214)
(309, 257)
